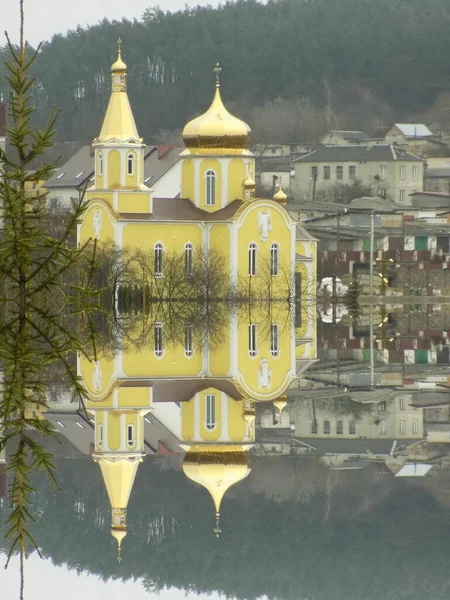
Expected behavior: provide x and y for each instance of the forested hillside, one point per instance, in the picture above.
(300, 65)
(345, 536)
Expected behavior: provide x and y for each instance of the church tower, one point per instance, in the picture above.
(119, 152)
(217, 166)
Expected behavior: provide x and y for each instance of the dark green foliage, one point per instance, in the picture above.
(395, 50)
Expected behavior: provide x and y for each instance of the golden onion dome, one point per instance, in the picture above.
(217, 128)
(119, 66)
(216, 468)
(249, 183)
(280, 403)
(280, 196)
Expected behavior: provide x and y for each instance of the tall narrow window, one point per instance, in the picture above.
(383, 427)
(326, 172)
(314, 172)
(252, 249)
(402, 171)
(252, 339)
(415, 425)
(383, 172)
(100, 163)
(352, 172)
(188, 259)
(188, 340)
(100, 436)
(274, 259)
(402, 427)
(274, 340)
(210, 411)
(159, 340)
(352, 427)
(326, 427)
(339, 427)
(401, 402)
(210, 188)
(130, 164)
(130, 435)
(415, 171)
(340, 172)
(401, 196)
(159, 254)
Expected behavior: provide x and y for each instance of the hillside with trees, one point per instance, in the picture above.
(291, 68)
(332, 535)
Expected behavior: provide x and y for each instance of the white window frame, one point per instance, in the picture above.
(131, 159)
(252, 340)
(401, 196)
(383, 427)
(210, 187)
(100, 163)
(415, 172)
(274, 259)
(352, 427)
(402, 172)
(327, 427)
(188, 341)
(415, 426)
(130, 442)
(188, 259)
(158, 340)
(274, 340)
(158, 259)
(210, 412)
(252, 259)
(326, 173)
(100, 436)
(339, 173)
(402, 427)
(401, 401)
(352, 172)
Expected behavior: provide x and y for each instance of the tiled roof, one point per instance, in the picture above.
(356, 154)
(412, 130)
(182, 209)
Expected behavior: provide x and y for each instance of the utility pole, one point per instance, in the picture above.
(371, 340)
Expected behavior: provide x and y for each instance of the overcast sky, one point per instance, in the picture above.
(44, 580)
(44, 18)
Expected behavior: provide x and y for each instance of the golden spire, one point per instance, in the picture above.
(280, 196)
(217, 128)
(118, 535)
(217, 529)
(217, 71)
(118, 124)
(280, 403)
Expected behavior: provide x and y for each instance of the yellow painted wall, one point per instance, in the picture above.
(237, 172)
(219, 357)
(114, 168)
(114, 430)
(87, 227)
(135, 397)
(134, 202)
(280, 365)
(173, 236)
(187, 179)
(206, 165)
(173, 362)
(237, 427)
(187, 420)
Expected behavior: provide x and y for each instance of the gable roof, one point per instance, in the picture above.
(355, 154)
(348, 135)
(413, 130)
(80, 167)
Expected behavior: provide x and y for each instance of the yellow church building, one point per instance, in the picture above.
(258, 358)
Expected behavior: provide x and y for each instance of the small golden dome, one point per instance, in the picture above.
(119, 66)
(216, 128)
(280, 403)
(249, 183)
(216, 468)
(280, 196)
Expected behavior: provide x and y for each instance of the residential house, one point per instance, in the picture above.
(344, 138)
(271, 173)
(417, 139)
(391, 172)
(437, 180)
(162, 172)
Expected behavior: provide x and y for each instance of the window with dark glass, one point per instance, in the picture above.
(252, 249)
(210, 188)
(159, 254)
(274, 259)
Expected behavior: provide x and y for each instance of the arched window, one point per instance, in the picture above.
(188, 259)
(100, 436)
(274, 259)
(159, 340)
(188, 340)
(210, 411)
(130, 435)
(274, 340)
(252, 339)
(100, 163)
(130, 163)
(210, 188)
(252, 249)
(159, 255)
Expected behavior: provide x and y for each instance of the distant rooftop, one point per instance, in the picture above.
(413, 130)
(352, 153)
(351, 136)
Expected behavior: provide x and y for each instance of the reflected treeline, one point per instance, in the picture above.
(316, 558)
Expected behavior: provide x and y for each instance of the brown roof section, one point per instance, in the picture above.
(182, 209)
(182, 390)
(2, 120)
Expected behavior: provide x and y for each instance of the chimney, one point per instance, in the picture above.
(163, 149)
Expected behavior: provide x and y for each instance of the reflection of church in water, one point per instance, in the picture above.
(205, 396)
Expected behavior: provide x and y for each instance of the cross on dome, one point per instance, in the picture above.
(217, 71)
